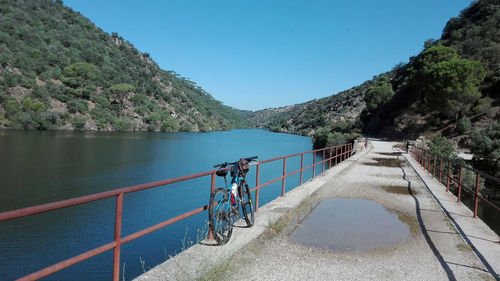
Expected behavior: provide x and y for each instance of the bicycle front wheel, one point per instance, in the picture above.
(219, 216)
(246, 203)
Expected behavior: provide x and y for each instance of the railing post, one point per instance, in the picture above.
(448, 177)
(323, 166)
(440, 170)
(301, 167)
(314, 163)
(258, 188)
(336, 154)
(341, 153)
(434, 167)
(459, 185)
(426, 161)
(118, 230)
(429, 163)
(212, 189)
(330, 158)
(284, 173)
(476, 197)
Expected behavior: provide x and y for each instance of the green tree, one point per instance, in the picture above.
(453, 86)
(78, 122)
(441, 146)
(376, 96)
(80, 74)
(485, 145)
(120, 89)
(463, 125)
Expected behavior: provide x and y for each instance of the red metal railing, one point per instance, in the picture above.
(454, 175)
(345, 152)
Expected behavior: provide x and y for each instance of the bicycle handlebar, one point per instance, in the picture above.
(225, 164)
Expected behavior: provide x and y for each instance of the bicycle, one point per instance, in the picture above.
(224, 205)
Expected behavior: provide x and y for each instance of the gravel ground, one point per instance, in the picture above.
(435, 251)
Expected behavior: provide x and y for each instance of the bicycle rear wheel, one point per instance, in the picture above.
(219, 216)
(246, 203)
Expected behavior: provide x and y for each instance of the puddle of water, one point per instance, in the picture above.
(398, 189)
(351, 225)
(387, 162)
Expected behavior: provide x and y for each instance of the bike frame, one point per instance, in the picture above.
(234, 179)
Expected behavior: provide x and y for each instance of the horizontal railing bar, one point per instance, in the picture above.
(93, 197)
(489, 203)
(271, 160)
(69, 262)
(457, 181)
(160, 225)
(461, 165)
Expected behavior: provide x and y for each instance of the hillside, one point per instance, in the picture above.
(305, 118)
(60, 71)
(471, 38)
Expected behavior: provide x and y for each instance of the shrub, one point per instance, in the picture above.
(12, 108)
(120, 89)
(78, 122)
(441, 146)
(40, 92)
(170, 125)
(25, 120)
(463, 125)
(50, 117)
(123, 124)
(483, 106)
(77, 105)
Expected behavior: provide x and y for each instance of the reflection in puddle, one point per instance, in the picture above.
(387, 162)
(401, 189)
(350, 225)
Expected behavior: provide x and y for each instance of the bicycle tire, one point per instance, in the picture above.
(246, 203)
(219, 219)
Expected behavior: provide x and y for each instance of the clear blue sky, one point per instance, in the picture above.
(260, 54)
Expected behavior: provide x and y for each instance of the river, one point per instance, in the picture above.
(45, 166)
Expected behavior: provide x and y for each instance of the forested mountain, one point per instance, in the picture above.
(452, 86)
(454, 81)
(59, 71)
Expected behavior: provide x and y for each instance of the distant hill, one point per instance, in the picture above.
(60, 71)
(399, 103)
(306, 117)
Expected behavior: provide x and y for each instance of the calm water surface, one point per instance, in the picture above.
(350, 225)
(41, 167)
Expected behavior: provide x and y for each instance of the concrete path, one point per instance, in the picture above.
(434, 251)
